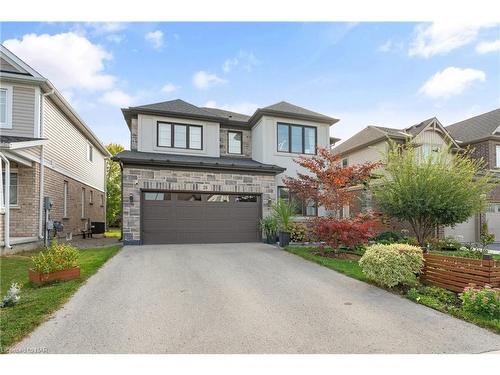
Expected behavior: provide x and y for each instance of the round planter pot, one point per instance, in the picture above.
(284, 238)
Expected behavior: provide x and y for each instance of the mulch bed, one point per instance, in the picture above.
(329, 254)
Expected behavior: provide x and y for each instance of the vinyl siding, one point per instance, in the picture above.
(23, 112)
(430, 137)
(66, 150)
(371, 153)
(7, 67)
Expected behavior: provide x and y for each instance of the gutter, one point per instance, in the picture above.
(6, 219)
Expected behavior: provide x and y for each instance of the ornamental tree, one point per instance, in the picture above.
(443, 189)
(327, 183)
(113, 186)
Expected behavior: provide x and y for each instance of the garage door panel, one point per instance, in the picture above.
(181, 221)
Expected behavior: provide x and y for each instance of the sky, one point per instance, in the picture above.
(387, 74)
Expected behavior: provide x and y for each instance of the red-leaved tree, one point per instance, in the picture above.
(327, 183)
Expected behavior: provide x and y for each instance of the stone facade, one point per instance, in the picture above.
(133, 134)
(247, 142)
(136, 178)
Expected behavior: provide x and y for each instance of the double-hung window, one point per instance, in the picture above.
(498, 155)
(65, 201)
(6, 107)
(12, 190)
(180, 136)
(297, 139)
(90, 152)
(83, 203)
(234, 142)
(301, 208)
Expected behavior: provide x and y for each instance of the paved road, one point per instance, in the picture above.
(242, 298)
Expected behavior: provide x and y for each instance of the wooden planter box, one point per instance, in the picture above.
(64, 275)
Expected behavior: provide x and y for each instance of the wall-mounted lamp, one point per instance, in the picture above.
(269, 202)
(131, 198)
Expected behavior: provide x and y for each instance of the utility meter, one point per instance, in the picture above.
(47, 203)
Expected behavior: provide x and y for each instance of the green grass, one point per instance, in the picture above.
(113, 233)
(37, 303)
(349, 268)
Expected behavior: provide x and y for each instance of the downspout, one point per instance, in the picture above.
(42, 169)
(6, 218)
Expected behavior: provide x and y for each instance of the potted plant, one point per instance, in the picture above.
(283, 212)
(269, 225)
(57, 262)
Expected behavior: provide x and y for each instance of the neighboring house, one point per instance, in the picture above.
(46, 150)
(482, 134)
(429, 136)
(205, 175)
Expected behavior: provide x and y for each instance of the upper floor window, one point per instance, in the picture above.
(90, 152)
(429, 150)
(180, 136)
(297, 139)
(6, 107)
(234, 142)
(498, 155)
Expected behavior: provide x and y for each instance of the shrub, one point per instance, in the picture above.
(390, 265)
(447, 244)
(482, 301)
(350, 232)
(269, 225)
(387, 237)
(12, 297)
(56, 257)
(298, 232)
(283, 212)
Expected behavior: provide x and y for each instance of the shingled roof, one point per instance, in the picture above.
(476, 128)
(183, 109)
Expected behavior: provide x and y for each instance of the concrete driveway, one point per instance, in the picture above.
(242, 298)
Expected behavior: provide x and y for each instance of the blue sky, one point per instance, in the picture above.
(388, 74)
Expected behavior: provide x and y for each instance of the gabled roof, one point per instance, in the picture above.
(28, 74)
(369, 135)
(182, 109)
(476, 128)
(373, 134)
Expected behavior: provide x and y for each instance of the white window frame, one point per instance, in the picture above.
(90, 152)
(497, 149)
(8, 123)
(12, 171)
(91, 197)
(65, 199)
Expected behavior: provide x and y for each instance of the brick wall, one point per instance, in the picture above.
(487, 151)
(247, 142)
(137, 178)
(24, 215)
(54, 188)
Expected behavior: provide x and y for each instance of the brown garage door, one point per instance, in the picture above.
(192, 217)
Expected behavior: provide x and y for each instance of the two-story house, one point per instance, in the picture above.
(46, 150)
(480, 132)
(201, 175)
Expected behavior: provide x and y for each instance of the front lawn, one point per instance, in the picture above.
(113, 233)
(349, 268)
(37, 303)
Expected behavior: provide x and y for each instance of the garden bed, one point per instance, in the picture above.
(38, 302)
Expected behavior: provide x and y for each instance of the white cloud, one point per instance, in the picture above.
(117, 98)
(451, 81)
(487, 47)
(441, 38)
(386, 47)
(106, 27)
(203, 80)
(169, 87)
(246, 108)
(115, 38)
(69, 60)
(155, 38)
(244, 59)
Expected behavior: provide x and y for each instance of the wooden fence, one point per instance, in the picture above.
(456, 273)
